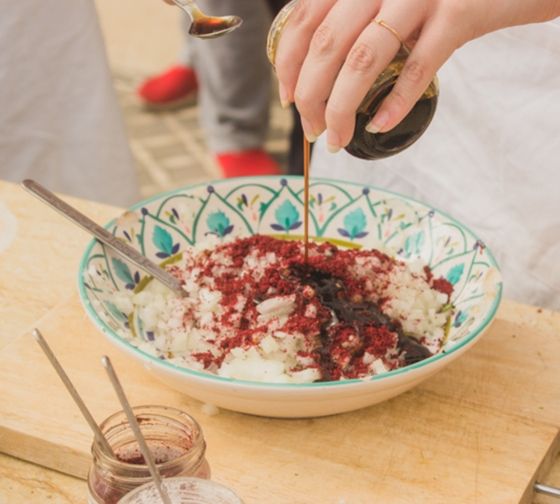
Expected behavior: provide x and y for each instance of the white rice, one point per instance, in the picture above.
(184, 328)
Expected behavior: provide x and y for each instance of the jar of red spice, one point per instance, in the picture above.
(174, 438)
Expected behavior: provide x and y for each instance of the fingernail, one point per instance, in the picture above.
(378, 122)
(333, 142)
(284, 98)
(307, 131)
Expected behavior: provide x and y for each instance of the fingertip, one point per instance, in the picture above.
(284, 96)
(333, 149)
(347, 134)
(340, 121)
(308, 130)
(333, 141)
(379, 122)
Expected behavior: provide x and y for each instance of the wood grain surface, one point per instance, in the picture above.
(479, 432)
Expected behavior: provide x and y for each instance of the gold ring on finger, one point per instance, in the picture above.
(387, 26)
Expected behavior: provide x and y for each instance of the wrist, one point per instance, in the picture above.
(525, 12)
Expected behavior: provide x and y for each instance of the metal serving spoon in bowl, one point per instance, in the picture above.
(119, 246)
(204, 26)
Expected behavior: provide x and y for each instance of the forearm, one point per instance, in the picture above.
(505, 13)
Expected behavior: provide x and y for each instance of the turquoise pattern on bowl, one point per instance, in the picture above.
(345, 213)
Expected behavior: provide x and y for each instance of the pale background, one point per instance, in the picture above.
(140, 35)
(144, 37)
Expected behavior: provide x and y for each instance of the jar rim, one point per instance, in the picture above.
(208, 487)
(198, 443)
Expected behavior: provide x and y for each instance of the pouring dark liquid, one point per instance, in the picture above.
(367, 145)
(356, 314)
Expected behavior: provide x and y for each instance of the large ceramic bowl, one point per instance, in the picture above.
(345, 213)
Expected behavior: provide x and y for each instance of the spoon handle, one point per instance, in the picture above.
(133, 422)
(119, 246)
(100, 438)
(189, 7)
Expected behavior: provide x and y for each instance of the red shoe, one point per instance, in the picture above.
(247, 163)
(176, 87)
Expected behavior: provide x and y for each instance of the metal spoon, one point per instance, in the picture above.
(547, 490)
(99, 437)
(144, 449)
(119, 246)
(204, 26)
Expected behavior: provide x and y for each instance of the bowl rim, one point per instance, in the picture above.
(175, 368)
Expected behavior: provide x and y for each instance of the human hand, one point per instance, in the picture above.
(331, 52)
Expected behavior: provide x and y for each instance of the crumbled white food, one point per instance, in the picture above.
(204, 330)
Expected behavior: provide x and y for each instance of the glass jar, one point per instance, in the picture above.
(187, 490)
(175, 439)
(367, 145)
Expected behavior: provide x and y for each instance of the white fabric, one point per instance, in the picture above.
(491, 157)
(59, 120)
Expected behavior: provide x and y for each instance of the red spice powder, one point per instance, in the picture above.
(224, 269)
(442, 285)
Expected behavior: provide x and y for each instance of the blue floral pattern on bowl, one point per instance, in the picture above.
(347, 214)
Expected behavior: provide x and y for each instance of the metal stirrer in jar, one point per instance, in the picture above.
(99, 437)
(136, 429)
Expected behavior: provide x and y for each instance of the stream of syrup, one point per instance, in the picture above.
(306, 156)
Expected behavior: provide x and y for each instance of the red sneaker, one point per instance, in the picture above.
(176, 87)
(247, 163)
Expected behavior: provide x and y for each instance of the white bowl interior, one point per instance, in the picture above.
(344, 213)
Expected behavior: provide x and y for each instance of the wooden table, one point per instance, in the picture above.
(39, 255)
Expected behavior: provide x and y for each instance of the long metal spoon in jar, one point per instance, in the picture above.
(106, 362)
(99, 437)
(119, 246)
(204, 26)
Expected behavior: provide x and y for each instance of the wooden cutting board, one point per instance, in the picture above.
(480, 432)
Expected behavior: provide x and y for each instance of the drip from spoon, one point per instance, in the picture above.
(204, 26)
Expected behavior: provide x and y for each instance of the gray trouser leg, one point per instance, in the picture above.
(186, 56)
(234, 76)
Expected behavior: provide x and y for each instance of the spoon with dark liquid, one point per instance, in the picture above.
(204, 26)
